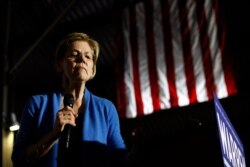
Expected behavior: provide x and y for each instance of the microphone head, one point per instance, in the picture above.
(68, 100)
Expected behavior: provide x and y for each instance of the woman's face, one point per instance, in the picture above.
(78, 63)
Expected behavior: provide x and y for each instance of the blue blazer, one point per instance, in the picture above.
(99, 131)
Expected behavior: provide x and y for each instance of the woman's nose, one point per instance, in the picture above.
(80, 58)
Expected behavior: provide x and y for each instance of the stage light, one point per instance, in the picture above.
(14, 125)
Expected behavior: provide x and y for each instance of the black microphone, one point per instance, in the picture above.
(68, 101)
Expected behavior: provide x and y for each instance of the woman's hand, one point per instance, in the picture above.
(64, 116)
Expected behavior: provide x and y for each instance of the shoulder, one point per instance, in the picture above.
(38, 103)
(100, 103)
(37, 99)
(98, 99)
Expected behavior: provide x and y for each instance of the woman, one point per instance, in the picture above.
(95, 137)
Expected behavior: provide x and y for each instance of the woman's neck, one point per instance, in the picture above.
(77, 90)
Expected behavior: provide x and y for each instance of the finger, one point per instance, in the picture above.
(67, 118)
(69, 121)
(71, 112)
(69, 109)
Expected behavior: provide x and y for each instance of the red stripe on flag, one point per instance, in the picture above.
(121, 100)
(204, 66)
(152, 56)
(121, 96)
(134, 48)
(169, 54)
(226, 61)
(204, 39)
(188, 59)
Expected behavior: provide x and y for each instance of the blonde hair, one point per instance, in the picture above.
(63, 46)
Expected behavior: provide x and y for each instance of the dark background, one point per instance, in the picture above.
(30, 29)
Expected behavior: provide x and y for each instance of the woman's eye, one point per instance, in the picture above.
(87, 56)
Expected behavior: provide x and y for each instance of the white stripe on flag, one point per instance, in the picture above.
(187, 64)
(178, 55)
(142, 57)
(220, 84)
(128, 74)
(160, 58)
(196, 53)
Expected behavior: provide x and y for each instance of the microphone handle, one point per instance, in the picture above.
(68, 132)
(68, 101)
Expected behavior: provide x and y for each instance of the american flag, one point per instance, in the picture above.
(173, 54)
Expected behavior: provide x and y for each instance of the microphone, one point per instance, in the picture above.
(68, 101)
